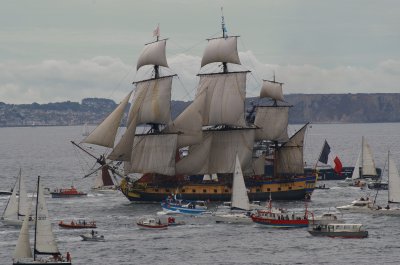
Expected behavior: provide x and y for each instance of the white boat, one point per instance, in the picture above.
(93, 236)
(44, 241)
(17, 206)
(151, 223)
(324, 219)
(359, 206)
(240, 204)
(393, 190)
(363, 169)
(338, 230)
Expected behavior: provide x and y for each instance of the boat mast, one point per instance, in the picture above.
(19, 190)
(224, 35)
(36, 218)
(362, 157)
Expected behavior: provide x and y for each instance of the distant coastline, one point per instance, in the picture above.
(314, 108)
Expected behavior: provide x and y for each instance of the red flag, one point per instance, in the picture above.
(338, 165)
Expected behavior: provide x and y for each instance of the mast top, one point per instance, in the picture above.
(224, 31)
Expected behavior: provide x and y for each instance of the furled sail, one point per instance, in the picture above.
(23, 249)
(154, 153)
(368, 164)
(240, 199)
(105, 133)
(289, 157)
(45, 242)
(273, 123)
(216, 153)
(394, 182)
(221, 50)
(225, 96)
(271, 89)
(153, 54)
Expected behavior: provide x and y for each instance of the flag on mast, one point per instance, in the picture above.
(156, 31)
(327, 157)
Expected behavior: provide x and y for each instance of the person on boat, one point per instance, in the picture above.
(92, 232)
(84, 222)
(72, 222)
(68, 257)
(387, 207)
(362, 199)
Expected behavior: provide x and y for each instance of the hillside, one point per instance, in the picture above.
(316, 108)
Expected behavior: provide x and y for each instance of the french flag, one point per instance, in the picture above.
(327, 157)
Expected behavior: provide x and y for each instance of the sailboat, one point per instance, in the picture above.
(104, 183)
(212, 129)
(240, 204)
(363, 169)
(17, 206)
(44, 242)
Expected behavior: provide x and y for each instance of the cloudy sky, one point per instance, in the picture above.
(68, 50)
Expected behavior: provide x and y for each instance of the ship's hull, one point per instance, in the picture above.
(297, 188)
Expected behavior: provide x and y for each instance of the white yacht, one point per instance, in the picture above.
(359, 206)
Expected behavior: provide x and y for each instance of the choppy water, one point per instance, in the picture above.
(46, 151)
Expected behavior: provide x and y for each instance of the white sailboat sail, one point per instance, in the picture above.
(45, 242)
(240, 199)
(153, 54)
(394, 182)
(368, 164)
(23, 198)
(11, 210)
(17, 206)
(356, 170)
(23, 249)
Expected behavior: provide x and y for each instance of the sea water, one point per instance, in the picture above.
(47, 151)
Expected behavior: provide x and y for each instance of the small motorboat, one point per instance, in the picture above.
(93, 236)
(151, 223)
(338, 230)
(322, 187)
(359, 206)
(80, 224)
(173, 205)
(67, 193)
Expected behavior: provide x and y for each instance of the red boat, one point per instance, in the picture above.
(151, 223)
(280, 219)
(80, 224)
(67, 193)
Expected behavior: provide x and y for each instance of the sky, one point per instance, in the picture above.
(52, 51)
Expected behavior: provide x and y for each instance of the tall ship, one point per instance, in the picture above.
(194, 155)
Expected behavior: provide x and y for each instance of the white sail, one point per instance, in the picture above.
(11, 210)
(216, 154)
(257, 166)
(23, 249)
(153, 54)
(225, 96)
(206, 177)
(394, 182)
(45, 242)
(289, 157)
(23, 198)
(221, 50)
(356, 170)
(98, 181)
(240, 199)
(368, 164)
(123, 150)
(155, 100)
(154, 154)
(188, 123)
(273, 122)
(214, 177)
(105, 133)
(271, 89)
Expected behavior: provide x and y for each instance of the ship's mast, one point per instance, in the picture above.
(36, 217)
(224, 35)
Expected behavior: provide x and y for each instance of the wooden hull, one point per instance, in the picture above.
(279, 189)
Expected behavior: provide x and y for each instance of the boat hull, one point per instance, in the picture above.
(279, 189)
(183, 210)
(152, 227)
(42, 263)
(58, 195)
(360, 234)
(280, 223)
(89, 237)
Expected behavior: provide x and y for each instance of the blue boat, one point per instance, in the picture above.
(171, 205)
